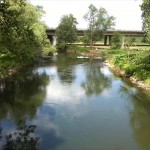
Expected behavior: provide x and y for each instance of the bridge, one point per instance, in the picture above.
(107, 35)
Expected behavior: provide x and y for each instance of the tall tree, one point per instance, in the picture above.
(22, 34)
(98, 22)
(91, 17)
(66, 32)
(145, 7)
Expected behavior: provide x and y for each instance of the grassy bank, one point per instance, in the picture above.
(10, 65)
(135, 64)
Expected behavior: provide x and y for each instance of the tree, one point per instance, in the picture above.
(145, 7)
(129, 41)
(91, 17)
(66, 32)
(85, 39)
(98, 22)
(22, 34)
(116, 40)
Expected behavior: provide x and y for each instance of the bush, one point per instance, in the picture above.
(116, 41)
(114, 52)
(78, 48)
(136, 63)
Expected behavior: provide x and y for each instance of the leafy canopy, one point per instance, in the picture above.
(22, 33)
(98, 22)
(145, 7)
(66, 31)
(116, 40)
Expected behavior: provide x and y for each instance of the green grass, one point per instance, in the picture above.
(78, 48)
(134, 63)
(113, 52)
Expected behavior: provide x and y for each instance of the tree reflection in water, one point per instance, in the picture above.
(140, 123)
(65, 69)
(1, 132)
(139, 115)
(22, 138)
(22, 97)
(19, 100)
(95, 82)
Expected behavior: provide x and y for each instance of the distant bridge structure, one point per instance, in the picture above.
(107, 35)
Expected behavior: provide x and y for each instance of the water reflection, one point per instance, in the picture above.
(20, 100)
(1, 132)
(21, 97)
(140, 122)
(96, 81)
(72, 104)
(47, 129)
(139, 115)
(22, 139)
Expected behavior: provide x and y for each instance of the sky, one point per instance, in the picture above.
(126, 12)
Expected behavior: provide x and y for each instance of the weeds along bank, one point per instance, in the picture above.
(134, 64)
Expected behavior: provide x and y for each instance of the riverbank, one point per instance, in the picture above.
(132, 79)
(9, 72)
(9, 68)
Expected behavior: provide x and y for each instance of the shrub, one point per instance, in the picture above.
(136, 63)
(116, 41)
(78, 48)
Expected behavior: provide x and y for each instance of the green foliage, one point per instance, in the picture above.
(112, 52)
(116, 41)
(98, 22)
(129, 41)
(85, 39)
(66, 32)
(48, 50)
(78, 48)
(136, 63)
(22, 33)
(142, 65)
(145, 7)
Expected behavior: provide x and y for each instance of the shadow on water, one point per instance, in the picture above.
(20, 99)
(140, 121)
(139, 115)
(1, 132)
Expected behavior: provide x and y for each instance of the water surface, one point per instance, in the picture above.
(70, 104)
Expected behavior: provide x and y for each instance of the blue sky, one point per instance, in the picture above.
(126, 12)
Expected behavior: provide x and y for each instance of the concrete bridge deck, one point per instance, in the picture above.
(107, 35)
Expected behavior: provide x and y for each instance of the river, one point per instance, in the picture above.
(72, 104)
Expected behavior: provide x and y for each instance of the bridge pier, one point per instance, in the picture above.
(105, 40)
(110, 39)
(52, 39)
(122, 41)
